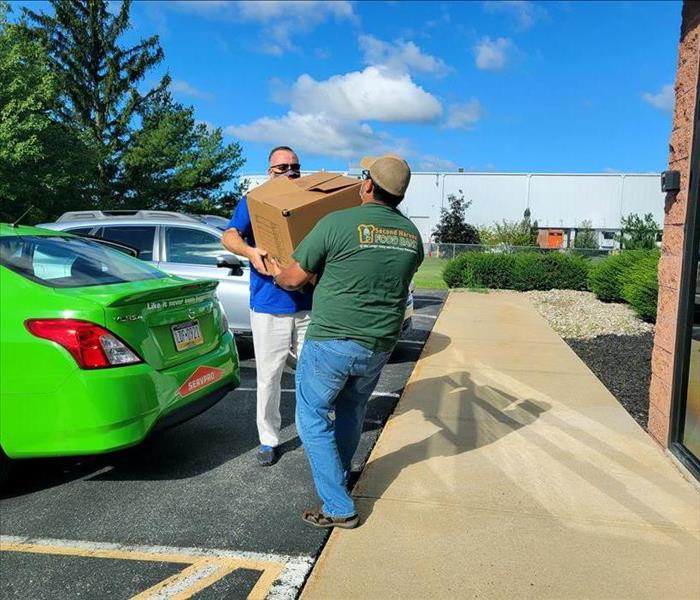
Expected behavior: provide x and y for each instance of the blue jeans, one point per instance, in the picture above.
(334, 382)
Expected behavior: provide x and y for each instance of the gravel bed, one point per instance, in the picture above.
(613, 342)
(580, 315)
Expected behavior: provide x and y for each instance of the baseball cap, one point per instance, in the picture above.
(390, 172)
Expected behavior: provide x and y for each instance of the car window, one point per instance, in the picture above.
(137, 236)
(61, 261)
(192, 246)
(79, 230)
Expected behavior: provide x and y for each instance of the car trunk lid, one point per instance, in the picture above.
(168, 324)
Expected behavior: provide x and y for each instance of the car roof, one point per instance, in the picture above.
(192, 224)
(96, 218)
(91, 215)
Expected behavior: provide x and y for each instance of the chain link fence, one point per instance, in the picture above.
(450, 251)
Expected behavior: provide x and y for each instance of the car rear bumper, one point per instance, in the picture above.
(105, 410)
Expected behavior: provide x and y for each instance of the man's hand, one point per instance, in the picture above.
(256, 256)
(292, 277)
(275, 268)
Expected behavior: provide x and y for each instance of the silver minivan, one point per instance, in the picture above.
(181, 244)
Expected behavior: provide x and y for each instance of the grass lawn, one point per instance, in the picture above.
(430, 273)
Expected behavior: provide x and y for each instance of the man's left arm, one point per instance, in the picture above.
(292, 277)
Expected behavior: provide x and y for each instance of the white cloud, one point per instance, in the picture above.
(435, 163)
(280, 20)
(401, 56)
(464, 115)
(373, 94)
(316, 134)
(492, 55)
(525, 13)
(180, 86)
(663, 100)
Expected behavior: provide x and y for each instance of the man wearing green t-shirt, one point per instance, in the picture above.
(364, 258)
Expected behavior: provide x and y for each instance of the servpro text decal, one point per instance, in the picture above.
(201, 378)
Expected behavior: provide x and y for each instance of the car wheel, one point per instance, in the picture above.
(5, 467)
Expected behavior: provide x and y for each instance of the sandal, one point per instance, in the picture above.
(316, 518)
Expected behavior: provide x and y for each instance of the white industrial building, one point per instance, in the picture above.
(559, 202)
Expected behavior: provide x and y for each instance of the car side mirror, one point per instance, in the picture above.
(229, 261)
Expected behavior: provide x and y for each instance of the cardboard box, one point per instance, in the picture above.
(283, 211)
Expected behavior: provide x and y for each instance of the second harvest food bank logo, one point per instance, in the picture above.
(380, 237)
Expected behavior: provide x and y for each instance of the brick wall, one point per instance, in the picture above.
(673, 237)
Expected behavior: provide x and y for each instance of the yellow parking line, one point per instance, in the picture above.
(201, 572)
(96, 553)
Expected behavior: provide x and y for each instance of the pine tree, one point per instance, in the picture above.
(175, 163)
(99, 78)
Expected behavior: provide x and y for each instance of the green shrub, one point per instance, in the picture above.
(477, 269)
(605, 276)
(553, 270)
(523, 271)
(640, 286)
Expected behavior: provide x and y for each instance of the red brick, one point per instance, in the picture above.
(660, 395)
(679, 143)
(658, 425)
(684, 112)
(672, 241)
(670, 268)
(662, 365)
(667, 318)
(676, 207)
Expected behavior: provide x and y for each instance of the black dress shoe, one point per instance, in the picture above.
(267, 456)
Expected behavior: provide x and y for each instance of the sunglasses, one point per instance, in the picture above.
(285, 167)
(365, 174)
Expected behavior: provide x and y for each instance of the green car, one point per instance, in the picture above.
(98, 349)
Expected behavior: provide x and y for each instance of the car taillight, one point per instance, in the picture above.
(224, 320)
(92, 346)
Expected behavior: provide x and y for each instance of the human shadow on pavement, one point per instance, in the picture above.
(462, 416)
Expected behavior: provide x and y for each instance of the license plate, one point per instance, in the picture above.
(187, 335)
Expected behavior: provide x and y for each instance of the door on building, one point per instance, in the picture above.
(689, 417)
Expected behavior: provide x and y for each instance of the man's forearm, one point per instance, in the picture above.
(293, 277)
(233, 242)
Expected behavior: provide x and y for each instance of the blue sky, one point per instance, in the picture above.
(496, 86)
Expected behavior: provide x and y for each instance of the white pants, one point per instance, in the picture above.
(273, 337)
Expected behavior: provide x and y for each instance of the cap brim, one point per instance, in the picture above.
(367, 162)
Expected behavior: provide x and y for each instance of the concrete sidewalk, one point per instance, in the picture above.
(509, 471)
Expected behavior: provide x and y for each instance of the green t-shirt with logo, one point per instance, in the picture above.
(365, 258)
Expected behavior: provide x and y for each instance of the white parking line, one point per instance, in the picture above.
(433, 317)
(415, 342)
(291, 391)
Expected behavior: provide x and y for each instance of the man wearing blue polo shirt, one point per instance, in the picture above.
(278, 318)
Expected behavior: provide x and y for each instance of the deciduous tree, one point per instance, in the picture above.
(453, 227)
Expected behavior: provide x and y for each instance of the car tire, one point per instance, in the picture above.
(5, 468)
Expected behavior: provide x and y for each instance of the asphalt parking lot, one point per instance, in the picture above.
(189, 513)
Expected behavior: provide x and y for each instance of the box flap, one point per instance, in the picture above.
(325, 182)
(309, 182)
(338, 183)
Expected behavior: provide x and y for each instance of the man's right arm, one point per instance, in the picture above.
(234, 242)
